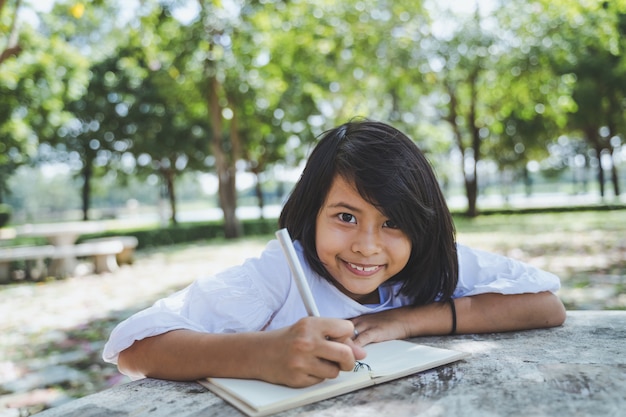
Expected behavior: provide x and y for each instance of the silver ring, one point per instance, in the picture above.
(356, 333)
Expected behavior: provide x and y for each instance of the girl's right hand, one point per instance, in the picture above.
(309, 351)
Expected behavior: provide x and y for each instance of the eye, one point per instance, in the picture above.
(390, 224)
(347, 217)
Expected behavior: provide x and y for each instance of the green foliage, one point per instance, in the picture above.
(577, 52)
(188, 232)
(5, 214)
(131, 94)
(34, 87)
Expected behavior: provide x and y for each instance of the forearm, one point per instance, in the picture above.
(302, 354)
(483, 313)
(186, 355)
(500, 313)
(486, 313)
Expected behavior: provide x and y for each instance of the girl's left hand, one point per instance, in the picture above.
(385, 325)
(482, 313)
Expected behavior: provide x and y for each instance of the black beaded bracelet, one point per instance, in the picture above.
(453, 309)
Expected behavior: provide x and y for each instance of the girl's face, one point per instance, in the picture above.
(358, 245)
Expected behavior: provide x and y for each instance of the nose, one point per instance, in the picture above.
(367, 242)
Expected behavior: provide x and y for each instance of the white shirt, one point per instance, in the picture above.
(260, 294)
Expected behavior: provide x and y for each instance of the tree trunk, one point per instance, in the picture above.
(169, 176)
(615, 179)
(471, 183)
(615, 115)
(234, 227)
(86, 173)
(471, 190)
(528, 182)
(226, 172)
(12, 47)
(258, 189)
(227, 199)
(592, 137)
(471, 177)
(600, 172)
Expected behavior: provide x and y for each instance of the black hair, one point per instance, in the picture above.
(390, 172)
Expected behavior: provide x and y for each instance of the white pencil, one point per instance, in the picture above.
(298, 272)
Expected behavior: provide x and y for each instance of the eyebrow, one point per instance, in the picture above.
(341, 204)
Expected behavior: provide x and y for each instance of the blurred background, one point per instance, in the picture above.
(181, 110)
(185, 123)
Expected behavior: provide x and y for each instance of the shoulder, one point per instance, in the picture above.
(481, 271)
(269, 267)
(272, 255)
(262, 276)
(471, 257)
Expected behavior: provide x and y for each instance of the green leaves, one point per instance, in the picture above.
(135, 82)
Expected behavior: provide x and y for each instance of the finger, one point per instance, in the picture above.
(342, 354)
(304, 380)
(360, 332)
(344, 331)
(363, 334)
(358, 327)
(357, 349)
(328, 370)
(319, 368)
(339, 330)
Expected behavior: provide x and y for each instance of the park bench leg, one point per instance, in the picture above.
(5, 272)
(63, 267)
(126, 256)
(38, 270)
(105, 263)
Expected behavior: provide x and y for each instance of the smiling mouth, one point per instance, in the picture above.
(362, 268)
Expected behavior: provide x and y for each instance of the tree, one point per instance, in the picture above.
(584, 44)
(533, 110)
(98, 129)
(140, 114)
(34, 84)
(463, 69)
(11, 47)
(94, 132)
(600, 90)
(170, 124)
(215, 29)
(331, 61)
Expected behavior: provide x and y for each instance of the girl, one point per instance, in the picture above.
(376, 240)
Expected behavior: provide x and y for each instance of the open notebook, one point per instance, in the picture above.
(387, 361)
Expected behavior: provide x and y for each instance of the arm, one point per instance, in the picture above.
(299, 355)
(483, 313)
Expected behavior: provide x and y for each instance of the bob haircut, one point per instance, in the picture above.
(390, 172)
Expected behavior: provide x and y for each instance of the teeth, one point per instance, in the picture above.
(363, 268)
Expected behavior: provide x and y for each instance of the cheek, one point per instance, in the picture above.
(324, 244)
(325, 235)
(321, 243)
(402, 251)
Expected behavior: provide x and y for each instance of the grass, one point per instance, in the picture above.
(587, 249)
(574, 221)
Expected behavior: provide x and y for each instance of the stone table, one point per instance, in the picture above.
(578, 369)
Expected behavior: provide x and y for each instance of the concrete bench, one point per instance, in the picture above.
(63, 257)
(126, 256)
(103, 254)
(22, 253)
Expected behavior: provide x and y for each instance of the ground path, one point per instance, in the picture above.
(52, 333)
